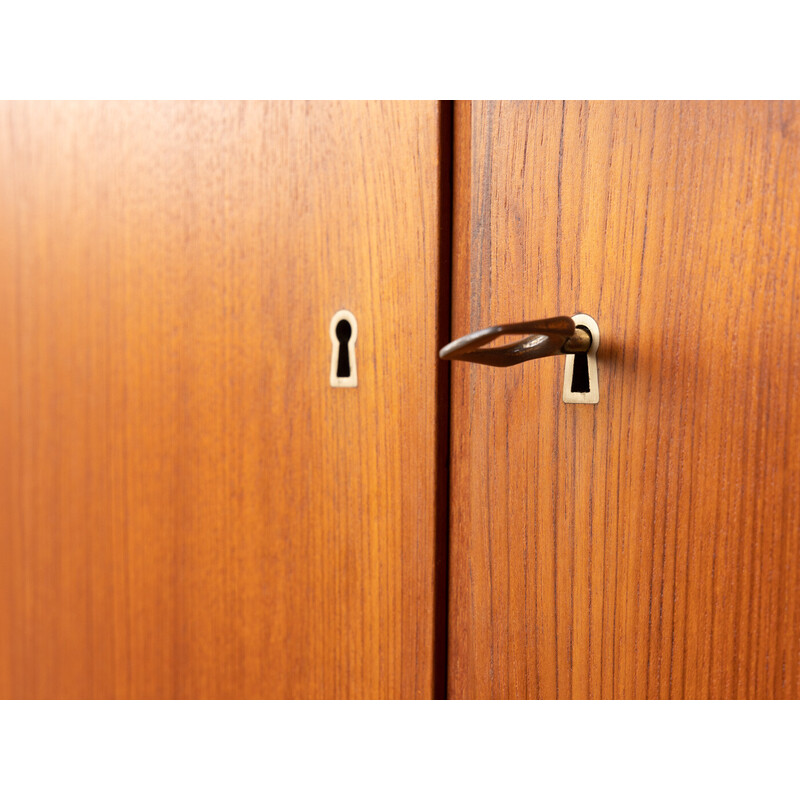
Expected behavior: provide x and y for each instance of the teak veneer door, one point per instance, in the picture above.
(649, 545)
(188, 508)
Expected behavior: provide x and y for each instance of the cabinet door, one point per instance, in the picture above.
(189, 508)
(649, 545)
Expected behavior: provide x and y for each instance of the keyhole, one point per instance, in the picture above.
(580, 369)
(343, 333)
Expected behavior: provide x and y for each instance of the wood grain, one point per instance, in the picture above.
(188, 509)
(648, 546)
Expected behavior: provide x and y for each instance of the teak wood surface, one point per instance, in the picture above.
(647, 546)
(189, 509)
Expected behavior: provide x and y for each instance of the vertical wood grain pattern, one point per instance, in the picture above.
(647, 546)
(188, 508)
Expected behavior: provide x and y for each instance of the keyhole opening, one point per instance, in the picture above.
(580, 368)
(343, 333)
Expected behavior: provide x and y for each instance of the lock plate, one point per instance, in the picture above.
(580, 369)
(343, 332)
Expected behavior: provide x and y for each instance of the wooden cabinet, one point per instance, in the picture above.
(188, 508)
(646, 546)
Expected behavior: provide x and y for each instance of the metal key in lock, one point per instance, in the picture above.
(577, 337)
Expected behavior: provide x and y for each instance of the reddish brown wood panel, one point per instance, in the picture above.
(188, 508)
(647, 546)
